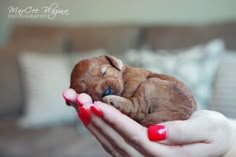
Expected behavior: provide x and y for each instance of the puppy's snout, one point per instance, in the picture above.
(108, 91)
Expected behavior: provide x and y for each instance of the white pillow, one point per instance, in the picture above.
(196, 66)
(45, 76)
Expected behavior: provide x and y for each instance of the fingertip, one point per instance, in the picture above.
(157, 132)
(184, 132)
(78, 102)
(98, 103)
(83, 118)
(69, 95)
(83, 99)
(96, 110)
(104, 106)
(85, 112)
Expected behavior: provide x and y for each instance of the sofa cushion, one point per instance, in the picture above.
(40, 38)
(112, 39)
(172, 37)
(115, 39)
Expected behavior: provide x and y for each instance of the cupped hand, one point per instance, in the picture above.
(204, 134)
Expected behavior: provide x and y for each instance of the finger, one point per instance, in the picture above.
(69, 95)
(85, 117)
(114, 138)
(84, 99)
(194, 130)
(125, 126)
(133, 133)
(106, 130)
(199, 149)
(106, 144)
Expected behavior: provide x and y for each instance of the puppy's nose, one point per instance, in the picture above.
(107, 91)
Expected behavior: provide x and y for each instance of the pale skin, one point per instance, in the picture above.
(205, 134)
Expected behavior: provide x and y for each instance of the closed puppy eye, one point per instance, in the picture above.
(103, 70)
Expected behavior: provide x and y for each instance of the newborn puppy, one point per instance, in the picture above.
(145, 96)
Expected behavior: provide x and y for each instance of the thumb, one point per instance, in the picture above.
(193, 130)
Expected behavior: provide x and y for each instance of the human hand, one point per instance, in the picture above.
(206, 133)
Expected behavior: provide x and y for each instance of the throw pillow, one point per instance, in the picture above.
(45, 76)
(196, 66)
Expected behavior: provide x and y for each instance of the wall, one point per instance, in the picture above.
(142, 12)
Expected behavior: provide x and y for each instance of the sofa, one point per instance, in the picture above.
(37, 60)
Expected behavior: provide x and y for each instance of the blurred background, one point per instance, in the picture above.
(40, 41)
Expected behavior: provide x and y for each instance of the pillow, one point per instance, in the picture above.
(45, 76)
(224, 95)
(196, 66)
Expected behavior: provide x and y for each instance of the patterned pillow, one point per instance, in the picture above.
(196, 66)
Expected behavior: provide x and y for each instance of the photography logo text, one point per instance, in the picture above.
(48, 11)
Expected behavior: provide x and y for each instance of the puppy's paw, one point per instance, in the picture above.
(112, 100)
(122, 104)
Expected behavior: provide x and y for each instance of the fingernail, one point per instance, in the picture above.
(83, 99)
(97, 111)
(85, 112)
(156, 132)
(69, 95)
(78, 101)
(83, 119)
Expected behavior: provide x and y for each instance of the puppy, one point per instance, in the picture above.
(145, 96)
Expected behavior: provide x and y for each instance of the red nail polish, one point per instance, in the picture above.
(85, 112)
(97, 111)
(156, 132)
(83, 119)
(78, 101)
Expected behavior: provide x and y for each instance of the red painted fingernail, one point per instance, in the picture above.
(156, 132)
(78, 101)
(97, 111)
(85, 112)
(83, 119)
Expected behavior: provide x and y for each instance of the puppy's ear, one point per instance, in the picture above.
(115, 62)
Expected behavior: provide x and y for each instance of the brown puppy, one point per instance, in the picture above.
(147, 97)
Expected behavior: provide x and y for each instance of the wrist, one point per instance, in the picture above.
(232, 151)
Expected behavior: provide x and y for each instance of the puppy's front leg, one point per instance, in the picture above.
(126, 106)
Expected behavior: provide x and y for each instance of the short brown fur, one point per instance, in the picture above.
(145, 96)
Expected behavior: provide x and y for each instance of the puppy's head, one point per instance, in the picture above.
(98, 76)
